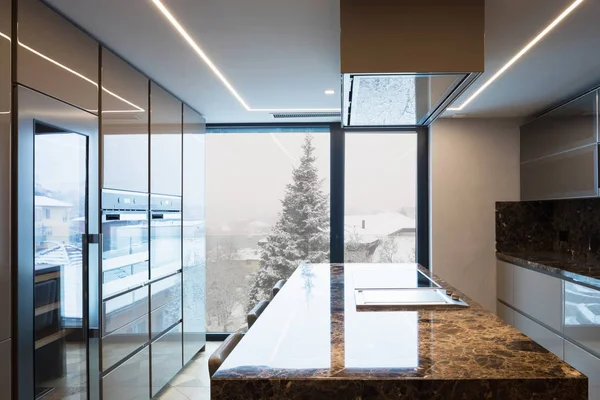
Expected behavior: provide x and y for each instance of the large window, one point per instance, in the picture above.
(267, 211)
(381, 187)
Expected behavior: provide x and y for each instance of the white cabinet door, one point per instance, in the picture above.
(586, 364)
(539, 296)
(505, 313)
(546, 338)
(504, 281)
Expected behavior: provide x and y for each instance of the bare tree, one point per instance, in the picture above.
(226, 284)
(388, 250)
(354, 250)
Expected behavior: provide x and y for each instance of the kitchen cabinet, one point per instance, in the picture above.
(504, 278)
(559, 152)
(5, 179)
(124, 341)
(129, 381)
(538, 301)
(124, 128)
(539, 296)
(588, 364)
(545, 337)
(167, 355)
(194, 233)
(565, 128)
(569, 174)
(56, 58)
(582, 315)
(505, 313)
(165, 142)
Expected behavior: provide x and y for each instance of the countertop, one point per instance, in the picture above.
(585, 271)
(312, 343)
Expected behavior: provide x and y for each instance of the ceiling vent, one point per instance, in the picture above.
(307, 115)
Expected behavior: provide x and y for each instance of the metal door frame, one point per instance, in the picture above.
(35, 106)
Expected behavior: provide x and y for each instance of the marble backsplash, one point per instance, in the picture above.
(564, 226)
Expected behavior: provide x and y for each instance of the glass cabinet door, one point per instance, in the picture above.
(60, 265)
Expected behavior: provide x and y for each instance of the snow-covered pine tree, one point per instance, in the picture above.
(302, 232)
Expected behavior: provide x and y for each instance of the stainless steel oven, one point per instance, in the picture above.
(125, 249)
(165, 231)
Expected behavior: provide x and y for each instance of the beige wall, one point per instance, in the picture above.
(474, 163)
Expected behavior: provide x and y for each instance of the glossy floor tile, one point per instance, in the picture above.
(193, 382)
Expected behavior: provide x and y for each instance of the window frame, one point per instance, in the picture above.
(337, 180)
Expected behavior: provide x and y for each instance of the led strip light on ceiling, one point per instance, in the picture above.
(520, 54)
(167, 14)
(85, 78)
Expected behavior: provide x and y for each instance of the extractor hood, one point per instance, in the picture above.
(404, 61)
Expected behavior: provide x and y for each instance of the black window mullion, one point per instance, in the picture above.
(337, 191)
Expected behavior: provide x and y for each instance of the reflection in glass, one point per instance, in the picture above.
(398, 100)
(165, 142)
(582, 315)
(63, 64)
(194, 233)
(381, 187)
(125, 241)
(60, 222)
(165, 235)
(166, 358)
(124, 125)
(165, 304)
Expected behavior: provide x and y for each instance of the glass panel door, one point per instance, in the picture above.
(61, 199)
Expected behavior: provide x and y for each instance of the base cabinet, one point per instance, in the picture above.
(588, 364)
(559, 315)
(545, 337)
(505, 313)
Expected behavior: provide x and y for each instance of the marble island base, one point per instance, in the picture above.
(312, 343)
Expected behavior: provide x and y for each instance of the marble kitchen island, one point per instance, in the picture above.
(312, 343)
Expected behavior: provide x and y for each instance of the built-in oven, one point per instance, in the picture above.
(125, 248)
(165, 231)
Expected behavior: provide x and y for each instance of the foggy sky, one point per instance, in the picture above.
(247, 173)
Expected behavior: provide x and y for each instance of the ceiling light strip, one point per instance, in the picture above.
(199, 51)
(165, 11)
(4, 36)
(524, 50)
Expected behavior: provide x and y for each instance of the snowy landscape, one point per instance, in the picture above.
(249, 250)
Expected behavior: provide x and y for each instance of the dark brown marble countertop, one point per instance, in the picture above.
(311, 343)
(585, 271)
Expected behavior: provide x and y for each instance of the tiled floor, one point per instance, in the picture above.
(193, 383)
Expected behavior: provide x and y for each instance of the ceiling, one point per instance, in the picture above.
(283, 54)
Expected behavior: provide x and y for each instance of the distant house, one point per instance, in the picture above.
(51, 221)
(383, 237)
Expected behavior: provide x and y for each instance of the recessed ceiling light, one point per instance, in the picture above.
(520, 54)
(330, 91)
(167, 14)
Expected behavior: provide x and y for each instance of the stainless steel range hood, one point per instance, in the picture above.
(404, 61)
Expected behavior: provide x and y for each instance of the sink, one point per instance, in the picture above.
(404, 298)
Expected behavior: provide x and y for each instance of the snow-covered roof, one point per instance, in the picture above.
(383, 224)
(61, 254)
(43, 201)
(248, 254)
